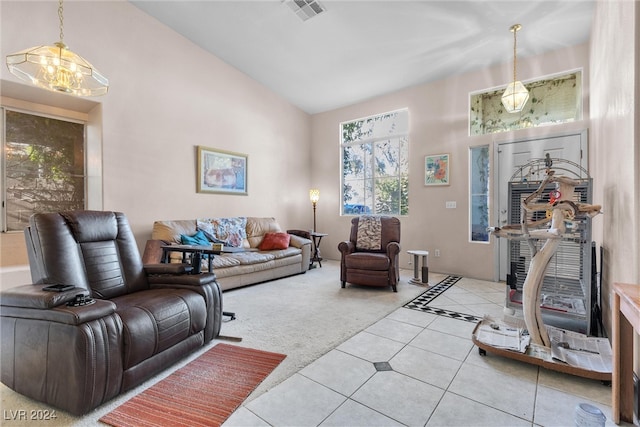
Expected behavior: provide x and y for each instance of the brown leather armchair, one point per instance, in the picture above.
(373, 265)
(142, 318)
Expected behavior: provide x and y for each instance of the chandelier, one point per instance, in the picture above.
(58, 69)
(516, 95)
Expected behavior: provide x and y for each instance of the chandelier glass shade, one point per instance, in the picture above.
(516, 95)
(58, 69)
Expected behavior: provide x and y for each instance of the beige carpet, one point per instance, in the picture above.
(302, 316)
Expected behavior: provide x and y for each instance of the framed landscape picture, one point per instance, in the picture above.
(221, 171)
(436, 169)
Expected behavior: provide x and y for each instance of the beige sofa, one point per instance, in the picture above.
(241, 268)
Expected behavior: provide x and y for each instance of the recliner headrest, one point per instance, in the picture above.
(92, 226)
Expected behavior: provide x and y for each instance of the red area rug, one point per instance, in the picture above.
(203, 393)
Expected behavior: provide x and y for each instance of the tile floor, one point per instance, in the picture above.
(434, 377)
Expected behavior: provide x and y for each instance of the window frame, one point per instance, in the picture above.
(400, 137)
(491, 119)
(41, 111)
(485, 194)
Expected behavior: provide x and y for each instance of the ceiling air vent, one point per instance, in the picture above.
(305, 9)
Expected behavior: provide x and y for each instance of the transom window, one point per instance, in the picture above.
(375, 164)
(552, 100)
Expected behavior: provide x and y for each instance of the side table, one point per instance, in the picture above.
(425, 269)
(189, 249)
(317, 256)
(625, 321)
(198, 251)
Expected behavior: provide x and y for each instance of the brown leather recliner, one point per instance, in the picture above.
(367, 266)
(144, 318)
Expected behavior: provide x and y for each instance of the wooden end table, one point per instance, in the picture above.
(317, 256)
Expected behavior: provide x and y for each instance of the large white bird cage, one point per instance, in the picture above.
(566, 295)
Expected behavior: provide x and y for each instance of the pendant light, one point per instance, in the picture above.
(58, 69)
(516, 95)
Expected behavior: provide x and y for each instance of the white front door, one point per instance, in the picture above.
(513, 154)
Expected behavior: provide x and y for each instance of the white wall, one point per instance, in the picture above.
(439, 123)
(615, 93)
(166, 97)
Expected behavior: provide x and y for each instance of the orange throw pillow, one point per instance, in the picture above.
(273, 241)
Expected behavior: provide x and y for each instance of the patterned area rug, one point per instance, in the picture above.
(205, 392)
(422, 301)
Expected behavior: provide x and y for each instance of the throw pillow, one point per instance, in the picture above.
(198, 239)
(369, 233)
(228, 231)
(272, 241)
(207, 228)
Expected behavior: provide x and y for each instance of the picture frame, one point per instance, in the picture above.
(436, 169)
(221, 171)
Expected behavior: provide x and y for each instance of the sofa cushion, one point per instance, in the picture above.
(157, 319)
(272, 241)
(229, 231)
(247, 258)
(258, 227)
(367, 261)
(221, 261)
(170, 231)
(285, 253)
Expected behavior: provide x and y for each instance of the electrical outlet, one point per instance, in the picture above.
(450, 205)
(437, 253)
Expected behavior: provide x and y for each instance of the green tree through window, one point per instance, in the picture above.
(44, 167)
(375, 167)
(479, 195)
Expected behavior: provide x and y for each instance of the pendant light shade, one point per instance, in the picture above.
(516, 95)
(58, 69)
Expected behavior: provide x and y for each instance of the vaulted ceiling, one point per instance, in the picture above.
(359, 49)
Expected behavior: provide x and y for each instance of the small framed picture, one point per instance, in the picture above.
(221, 172)
(436, 169)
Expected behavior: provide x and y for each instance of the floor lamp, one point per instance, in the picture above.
(314, 196)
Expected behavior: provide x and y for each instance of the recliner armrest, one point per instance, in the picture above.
(63, 314)
(346, 247)
(184, 279)
(180, 268)
(393, 249)
(32, 296)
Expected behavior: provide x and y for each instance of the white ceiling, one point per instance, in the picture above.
(359, 49)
